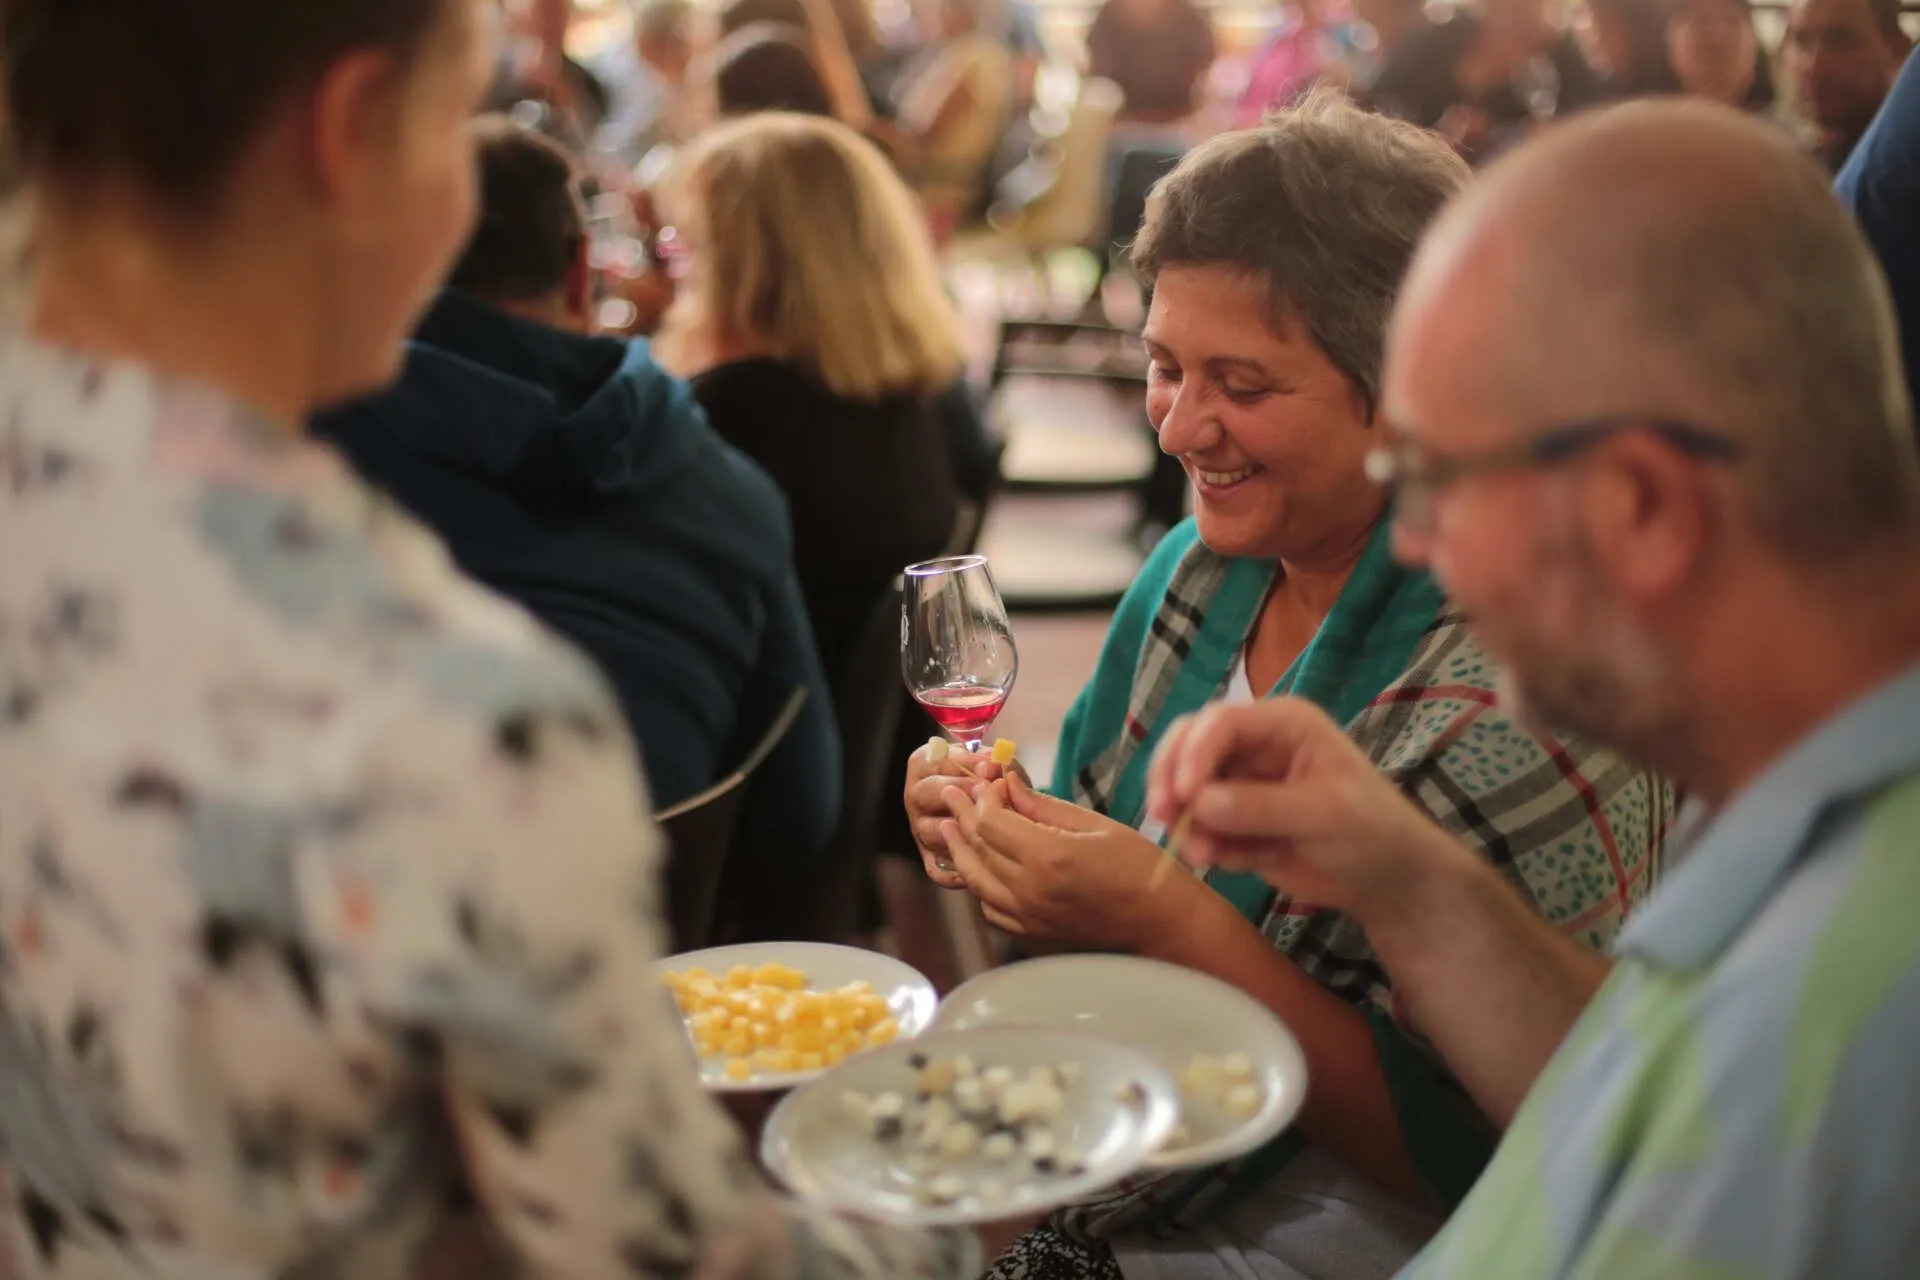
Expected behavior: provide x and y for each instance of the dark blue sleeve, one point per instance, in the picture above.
(1881, 184)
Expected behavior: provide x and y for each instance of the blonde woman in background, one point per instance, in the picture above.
(813, 325)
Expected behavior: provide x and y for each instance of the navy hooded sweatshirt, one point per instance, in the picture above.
(574, 475)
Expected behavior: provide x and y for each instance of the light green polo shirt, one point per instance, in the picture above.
(1742, 1097)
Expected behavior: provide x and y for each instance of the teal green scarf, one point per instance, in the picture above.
(1362, 647)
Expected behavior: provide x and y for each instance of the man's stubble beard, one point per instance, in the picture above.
(1574, 662)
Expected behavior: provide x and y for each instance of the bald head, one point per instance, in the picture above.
(1676, 260)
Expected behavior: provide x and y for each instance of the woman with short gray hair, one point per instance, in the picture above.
(1275, 256)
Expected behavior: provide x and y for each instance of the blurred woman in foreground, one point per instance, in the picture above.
(328, 895)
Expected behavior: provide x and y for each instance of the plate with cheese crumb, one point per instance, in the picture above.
(769, 1016)
(979, 1126)
(1241, 1074)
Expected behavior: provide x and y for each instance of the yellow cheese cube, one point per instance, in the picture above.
(765, 1017)
(739, 1069)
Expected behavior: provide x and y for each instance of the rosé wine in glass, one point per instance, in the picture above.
(956, 645)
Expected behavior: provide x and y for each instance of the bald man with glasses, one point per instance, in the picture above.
(1672, 480)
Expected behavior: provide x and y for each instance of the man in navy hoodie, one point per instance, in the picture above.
(570, 473)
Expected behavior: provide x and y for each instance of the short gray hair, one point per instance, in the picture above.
(1324, 204)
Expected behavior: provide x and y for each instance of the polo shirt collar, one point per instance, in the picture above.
(1745, 853)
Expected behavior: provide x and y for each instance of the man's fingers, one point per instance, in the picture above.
(1231, 853)
(1262, 740)
(1258, 811)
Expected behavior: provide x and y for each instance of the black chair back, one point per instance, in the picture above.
(868, 704)
(700, 836)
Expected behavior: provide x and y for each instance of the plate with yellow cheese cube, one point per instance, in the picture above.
(770, 1015)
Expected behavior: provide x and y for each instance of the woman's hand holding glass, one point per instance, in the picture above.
(1051, 871)
(927, 783)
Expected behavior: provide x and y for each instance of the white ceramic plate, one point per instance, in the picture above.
(1168, 1012)
(826, 1156)
(909, 996)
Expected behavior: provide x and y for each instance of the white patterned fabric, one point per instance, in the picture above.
(327, 899)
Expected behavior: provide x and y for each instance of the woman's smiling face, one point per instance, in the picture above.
(1272, 434)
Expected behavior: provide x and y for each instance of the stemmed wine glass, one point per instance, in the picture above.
(956, 646)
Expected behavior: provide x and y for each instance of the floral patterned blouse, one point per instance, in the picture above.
(326, 897)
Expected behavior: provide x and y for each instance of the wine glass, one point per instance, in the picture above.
(956, 646)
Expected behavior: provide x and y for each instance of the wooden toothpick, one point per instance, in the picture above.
(1175, 837)
(940, 751)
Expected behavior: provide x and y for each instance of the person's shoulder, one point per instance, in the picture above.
(751, 382)
(1881, 178)
(410, 612)
(326, 565)
(741, 495)
(1443, 726)
(1449, 710)
(1842, 913)
(284, 600)
(1814, 1008)
(1443, 707)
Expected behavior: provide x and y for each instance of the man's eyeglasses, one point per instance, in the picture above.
(1415, 475)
